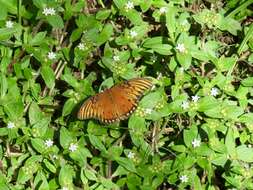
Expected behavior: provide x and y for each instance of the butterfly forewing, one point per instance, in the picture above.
(116, 103)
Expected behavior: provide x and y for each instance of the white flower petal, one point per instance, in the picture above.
(48, 11)
(163, 10)
(51, 55)
(81, 46)
(49, 143)
(184, 178)
(185, 105)
(129, 5)
(10, 125)
(131, 155)
(133, 33)
(116, 58)
(214, 92)
(195, 98)
(9, 24)
(181, 48)
(196, 143)
(73, 147)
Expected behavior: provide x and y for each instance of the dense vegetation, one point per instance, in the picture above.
(193, 130)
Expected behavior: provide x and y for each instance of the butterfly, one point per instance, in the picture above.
(116, 103)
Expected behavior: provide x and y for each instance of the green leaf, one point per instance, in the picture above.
(184, 59)
(48, 76)
(38, 39)
(134, 16)
(55, 21)
(230, 142)
(96, 142)
(178, 148)
(65, 138)
(35, 113)
(157, 45)
(103, 14)
(90, 174)
(38, 145)
(3, 85)
(66, 175)
(80, 155)
(248, 82)
(126, 163)
(190, 134)
(68, 106)
(244, 153)
(39, 129)
(171, 20)
(119, 3)
(50, 166)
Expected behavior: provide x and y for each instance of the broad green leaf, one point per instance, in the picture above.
(38, 145)
(189, 135)
(55, 21)
(248, 82)
(90, 174)
(103, 14)
(49, 165)
(66, 175)
(230, 142)
(96, 142)
(80, 155)
(35, 113)
(244, 153)
(126, 163)
(3, 85)
(68, 106)
(37, 39)
(65, 138)
(48, 76)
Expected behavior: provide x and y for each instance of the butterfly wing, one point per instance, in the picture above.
(116, 103)
(127, 95)
(98, 107)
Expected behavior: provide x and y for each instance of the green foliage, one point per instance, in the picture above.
(193, 130)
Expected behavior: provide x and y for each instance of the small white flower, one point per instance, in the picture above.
(181, 70)
(131, 155)
(48, 11)
(214, 92)
(129, 5)
(55, 157)
(184, 178)
(154, 58)
(185, 105)
(195, 98)
(184, 22)
(65, 188)
(10, 125)
(116, 58)
(9, 24)
(81, 46)
(148, 111)
(159, 75)
(49, 143)
(133, 33)
(196, 143)
(51, 55)
(73, 147)
(163, 10)
(181, 48)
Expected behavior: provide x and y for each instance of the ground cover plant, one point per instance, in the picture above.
(192, 130)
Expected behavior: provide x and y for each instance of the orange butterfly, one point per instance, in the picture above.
(116, 103)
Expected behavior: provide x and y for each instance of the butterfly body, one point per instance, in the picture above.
(116, 103)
